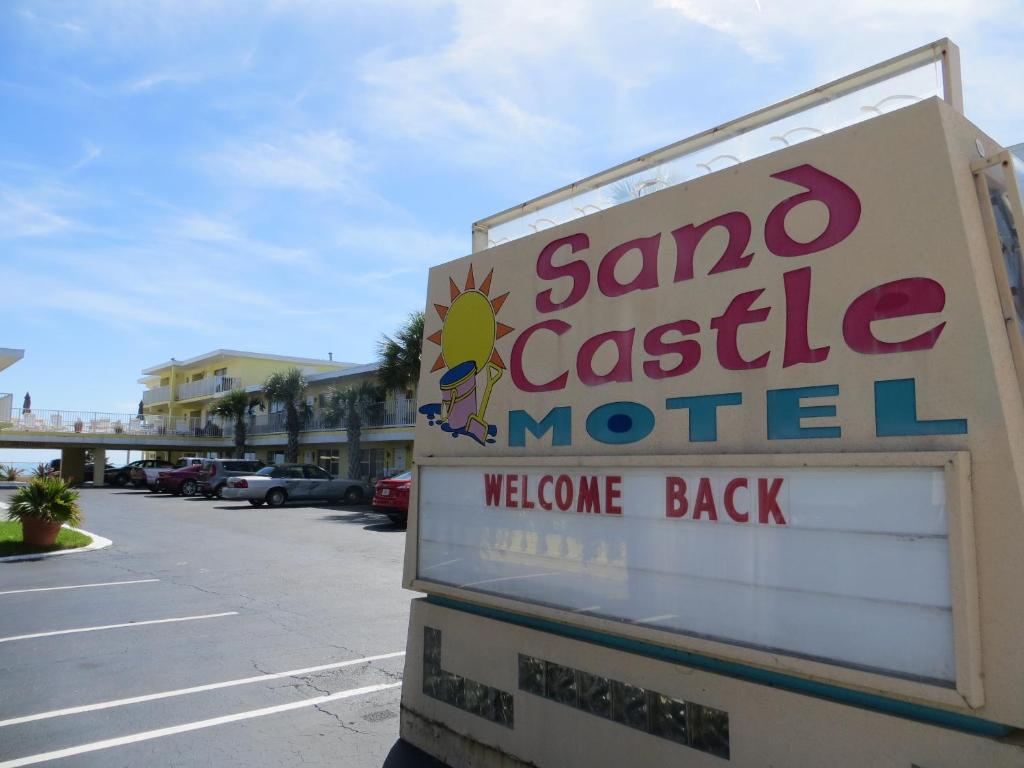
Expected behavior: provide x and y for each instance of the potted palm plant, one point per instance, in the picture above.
(43, 506)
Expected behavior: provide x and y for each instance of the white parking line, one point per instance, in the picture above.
(194, 689)
(186, 727)
(78, 586)
(116, 626)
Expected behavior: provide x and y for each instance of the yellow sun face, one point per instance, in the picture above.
(469, 330)
(469, 325)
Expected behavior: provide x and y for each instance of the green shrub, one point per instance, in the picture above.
(8, 472)
(46, 498)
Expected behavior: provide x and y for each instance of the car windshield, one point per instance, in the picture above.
(266, 471)
(404, 476)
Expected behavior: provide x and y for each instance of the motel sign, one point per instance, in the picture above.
(732, 470)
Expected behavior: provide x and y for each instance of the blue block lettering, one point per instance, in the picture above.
(785, 413)
(704, 413)
(558, 422)
(896, 412)
(620, 423)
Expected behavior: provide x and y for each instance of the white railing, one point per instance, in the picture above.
(389, 413)
(214, 385)
(6, 401)
(156, 395)
(98, 423)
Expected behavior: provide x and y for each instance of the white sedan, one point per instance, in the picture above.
(278, 484)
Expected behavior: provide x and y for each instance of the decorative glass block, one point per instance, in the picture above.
(560, 683)
(503, 708)
(708, 730)
(668, 718)
(431, 647)
(595, 694)
(531, 675)
(629, 705)
(455, 690)
(433, 681)
(478, 699)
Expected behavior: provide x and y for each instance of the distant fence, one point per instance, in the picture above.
(97, 423)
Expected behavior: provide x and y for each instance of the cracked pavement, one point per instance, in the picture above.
(311, 585)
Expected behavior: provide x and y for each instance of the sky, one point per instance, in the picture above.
(278, 176)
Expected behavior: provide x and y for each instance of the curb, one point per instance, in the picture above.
(98, 542)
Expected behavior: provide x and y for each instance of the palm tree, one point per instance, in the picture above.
(235, 405)
(399, 365)
(288, 387)
(351, 406)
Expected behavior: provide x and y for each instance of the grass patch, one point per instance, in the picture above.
(11, 543)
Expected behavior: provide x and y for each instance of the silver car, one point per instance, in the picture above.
(281, 483)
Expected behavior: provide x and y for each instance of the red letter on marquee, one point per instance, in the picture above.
(730, 504)
(542, 497)
(705, 501)
(492, 489)
(648, 275)
(577, 270)
(527, 504)
(612, 493)
(563, 492)
(511, 489)
(558, 327)
(900, 298)
(675, 497)
(736, 314)
(588, 498)
(843, 211)
(767, 501)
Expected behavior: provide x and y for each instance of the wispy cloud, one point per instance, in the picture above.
(157, 79)
(315, 160)
(29, 213)
(90, 152)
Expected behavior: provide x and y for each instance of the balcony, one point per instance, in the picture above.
(213, 385)
(156, 395)
(390, 413)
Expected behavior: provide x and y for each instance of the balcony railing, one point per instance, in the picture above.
(390, 413)
(156, 395)
(214, 385)
(6, 403)
(96, 423)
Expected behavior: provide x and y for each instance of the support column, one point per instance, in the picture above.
(72, 465)
(99, 459)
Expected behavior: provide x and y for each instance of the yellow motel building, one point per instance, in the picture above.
(182, 394)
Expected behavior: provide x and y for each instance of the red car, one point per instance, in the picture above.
(181, 482)
(391, 497)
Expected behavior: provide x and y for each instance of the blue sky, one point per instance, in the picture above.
(278, 176)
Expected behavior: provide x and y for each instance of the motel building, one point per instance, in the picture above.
(180, 395)
(175, 417)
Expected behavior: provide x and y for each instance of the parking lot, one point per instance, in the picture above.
(210, 634)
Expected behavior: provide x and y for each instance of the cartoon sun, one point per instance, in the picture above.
(469, 330)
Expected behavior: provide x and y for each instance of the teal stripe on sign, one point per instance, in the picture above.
(940, 717)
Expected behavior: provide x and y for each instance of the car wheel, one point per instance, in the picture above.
(353, 495)
(121, 481)
(189, 488)
(256, 502)
(398, 518)
(276, 497)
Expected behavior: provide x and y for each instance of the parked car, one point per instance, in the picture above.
(183, 481)
(153, 473)
(109, 473)
(391, 496)
(139, 476)
(278, 484)
(216, 472)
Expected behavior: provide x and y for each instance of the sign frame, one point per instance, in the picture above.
(968, 692)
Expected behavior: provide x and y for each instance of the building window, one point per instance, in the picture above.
(198, 376)
(220, 372)
(330, 460)
(164, 381)
(372, 462)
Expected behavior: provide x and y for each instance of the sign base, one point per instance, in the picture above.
(484, 692)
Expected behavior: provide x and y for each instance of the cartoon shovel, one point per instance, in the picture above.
(476, 426)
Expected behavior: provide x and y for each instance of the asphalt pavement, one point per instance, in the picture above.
(211, 633)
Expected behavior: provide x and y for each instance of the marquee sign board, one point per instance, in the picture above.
(770, 416)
